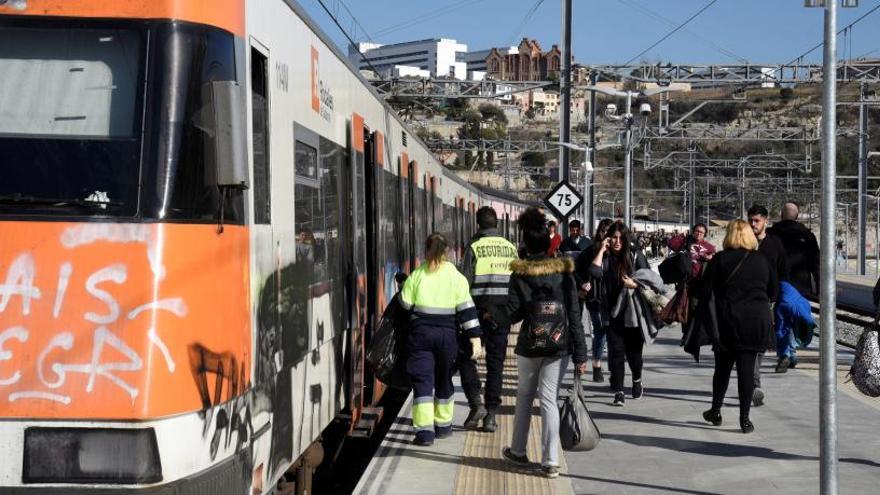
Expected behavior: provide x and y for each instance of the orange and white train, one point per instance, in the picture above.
(202, 209)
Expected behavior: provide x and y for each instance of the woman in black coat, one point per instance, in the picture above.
(743, 283)
(543, 295)
(612, 268)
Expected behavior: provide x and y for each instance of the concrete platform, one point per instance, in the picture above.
(660, 444)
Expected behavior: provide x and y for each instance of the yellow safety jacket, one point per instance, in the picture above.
(440, 299)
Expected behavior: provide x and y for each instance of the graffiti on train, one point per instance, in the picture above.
(98, 321)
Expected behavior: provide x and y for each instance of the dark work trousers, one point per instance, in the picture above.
(494, 342)
(745, 379)
(431, 364)
(624, 346)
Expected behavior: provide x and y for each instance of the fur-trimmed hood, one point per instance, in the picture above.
(542, 266)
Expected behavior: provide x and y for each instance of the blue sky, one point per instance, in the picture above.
(613, 31)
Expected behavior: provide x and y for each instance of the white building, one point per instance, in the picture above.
(409, 71)
(441, 57)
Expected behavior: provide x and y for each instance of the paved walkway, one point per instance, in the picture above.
(660, 444)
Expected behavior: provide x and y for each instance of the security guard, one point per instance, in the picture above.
(437, 296)
(486, 266)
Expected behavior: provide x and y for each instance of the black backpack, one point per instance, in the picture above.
(546, 324)
(676, 268)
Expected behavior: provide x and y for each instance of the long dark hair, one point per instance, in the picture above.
(624, 258)
(435, 250)
(536, 234)
(603, 226)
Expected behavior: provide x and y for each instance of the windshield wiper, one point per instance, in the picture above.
(55, 202)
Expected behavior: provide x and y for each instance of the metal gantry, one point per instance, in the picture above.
(405, 87)
(749, 74)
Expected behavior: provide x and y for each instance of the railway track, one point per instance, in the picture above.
(851, 320)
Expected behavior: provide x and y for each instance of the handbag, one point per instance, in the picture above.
(678, 308)
(865, 370)
(577, 430)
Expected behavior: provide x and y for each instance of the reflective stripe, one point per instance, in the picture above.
(443, 412)
(483, 279)
(423, 414)
(489, 291)
(470, 324)
(428, 310)
(465, 305)
(407, 306)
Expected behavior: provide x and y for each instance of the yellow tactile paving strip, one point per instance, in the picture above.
(484, 471)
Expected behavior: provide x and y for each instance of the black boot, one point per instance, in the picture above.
(745, 425)
(713, 416)
(477, 413)
(598, 377)
(489, 423)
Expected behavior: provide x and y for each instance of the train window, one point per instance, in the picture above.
(70, 110)
(199, 56)
(260, 137)
(308, 217)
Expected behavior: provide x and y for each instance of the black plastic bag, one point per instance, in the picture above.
(387, 354)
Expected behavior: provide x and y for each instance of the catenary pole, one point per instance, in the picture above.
(565, 99)
(627, 163)
(591, 193)
(828, 273)
(863, 179)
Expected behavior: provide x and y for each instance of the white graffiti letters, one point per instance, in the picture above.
(101, 353)
(114, 273)
(20, 334)
(20, 282)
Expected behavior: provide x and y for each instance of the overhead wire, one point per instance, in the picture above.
(524, 22)
(822, 43)
(335, 19)
(425, 17)
(720, 49)
(675, 30)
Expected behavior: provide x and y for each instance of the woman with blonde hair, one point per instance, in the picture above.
(439, 300)
(743, 283)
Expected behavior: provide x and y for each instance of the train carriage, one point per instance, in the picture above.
(202, 210)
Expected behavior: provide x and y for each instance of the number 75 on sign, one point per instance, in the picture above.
(563, 200)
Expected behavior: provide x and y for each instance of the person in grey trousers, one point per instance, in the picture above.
(543, 295)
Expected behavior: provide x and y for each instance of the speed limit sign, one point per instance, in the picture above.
(563, 200)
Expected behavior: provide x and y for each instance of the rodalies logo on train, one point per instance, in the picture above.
(90, 318)
(322, 99)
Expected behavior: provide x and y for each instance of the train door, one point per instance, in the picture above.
(375, 291)
(357, 279)
(403, 223)
(413, 219)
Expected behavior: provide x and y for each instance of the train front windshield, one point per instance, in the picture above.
(112, 119)
(70, 115)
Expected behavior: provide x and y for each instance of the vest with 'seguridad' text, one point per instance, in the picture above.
(493, 255)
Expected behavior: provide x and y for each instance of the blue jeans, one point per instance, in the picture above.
(598, 334)
(786, 345)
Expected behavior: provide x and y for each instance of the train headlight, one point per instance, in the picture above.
(91, 455)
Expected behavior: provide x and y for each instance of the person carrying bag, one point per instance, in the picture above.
(543, 295)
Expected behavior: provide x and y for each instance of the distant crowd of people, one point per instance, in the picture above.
(743, 300)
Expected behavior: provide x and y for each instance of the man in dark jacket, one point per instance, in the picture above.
(575, 242)
(772, 249)
(486, 267)
(801, 250)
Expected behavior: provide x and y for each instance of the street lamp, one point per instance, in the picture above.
(627, 119)
(828, 272)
